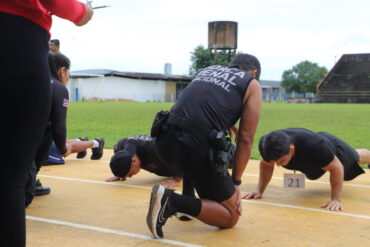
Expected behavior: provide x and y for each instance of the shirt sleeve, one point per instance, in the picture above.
(67, 9)
(58, 116)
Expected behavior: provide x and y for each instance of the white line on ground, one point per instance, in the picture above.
(314, 182)
(308, 209)
(94, 181)
(248, 201)
(88, 160)
(246, 174)
(106, 230)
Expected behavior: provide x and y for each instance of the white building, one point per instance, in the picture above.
(110, 85)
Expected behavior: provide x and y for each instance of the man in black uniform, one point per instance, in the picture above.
(312, 154)
(138, 152)
(191, 137)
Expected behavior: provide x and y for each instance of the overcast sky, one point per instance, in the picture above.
(143, 35)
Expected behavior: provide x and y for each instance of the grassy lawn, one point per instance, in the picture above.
(115, 120)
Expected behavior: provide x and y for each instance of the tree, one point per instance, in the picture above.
(202, 57)
(303, 77)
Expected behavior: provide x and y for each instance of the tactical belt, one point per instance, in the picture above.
(190, 126)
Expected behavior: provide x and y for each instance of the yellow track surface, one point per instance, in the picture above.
(83, 210)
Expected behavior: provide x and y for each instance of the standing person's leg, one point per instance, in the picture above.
(24, 106)
(30, 186)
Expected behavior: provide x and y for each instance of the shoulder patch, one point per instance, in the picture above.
(65, 103)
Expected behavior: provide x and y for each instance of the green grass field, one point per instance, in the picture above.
(115, 120)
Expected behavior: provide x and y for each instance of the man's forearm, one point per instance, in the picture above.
(266, 172)
(242, 155)
(336, 183)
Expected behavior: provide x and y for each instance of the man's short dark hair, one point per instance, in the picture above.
(246, 62)
(55, 42)
(120, 163)
(274, 145)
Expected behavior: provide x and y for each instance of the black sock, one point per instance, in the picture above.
(186, 204)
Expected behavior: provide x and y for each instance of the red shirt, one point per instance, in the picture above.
(40, 11)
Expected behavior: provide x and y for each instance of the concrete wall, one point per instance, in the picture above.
(117, 88)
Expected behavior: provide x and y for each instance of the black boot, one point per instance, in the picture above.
(82, 154)
(97, 153)
(40, 189)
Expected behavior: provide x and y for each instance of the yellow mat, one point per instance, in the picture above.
(83, 210)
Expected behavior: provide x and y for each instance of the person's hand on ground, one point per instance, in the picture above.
(114, 178)
(252, 195)
(333, 205)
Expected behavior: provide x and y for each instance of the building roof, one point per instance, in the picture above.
(150, 76)
(134, 75)
(348, 81)
(270, 83)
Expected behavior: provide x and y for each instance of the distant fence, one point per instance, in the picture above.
(288, 97)
(137, 98)
(267, 97)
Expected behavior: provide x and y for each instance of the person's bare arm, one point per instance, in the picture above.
(335, 168)
(266, 171)
(247, 128)
(73, 10)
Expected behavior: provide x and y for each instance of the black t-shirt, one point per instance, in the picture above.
(214, 99)
(58, 114)
(145, 150)
(312, 152)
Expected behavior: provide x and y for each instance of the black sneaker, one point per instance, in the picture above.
(160, 209)
(97, 153)
(40, 189)
(82, 154)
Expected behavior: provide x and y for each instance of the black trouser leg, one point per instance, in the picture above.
(24, 107)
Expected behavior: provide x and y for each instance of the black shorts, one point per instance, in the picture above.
(347, 155)
(196, 166)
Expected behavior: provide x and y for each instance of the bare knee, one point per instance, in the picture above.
(232, 208)
(232, 222)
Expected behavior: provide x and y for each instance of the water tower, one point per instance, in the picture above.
(223, 36)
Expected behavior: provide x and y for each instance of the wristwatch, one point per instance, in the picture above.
(237, 182)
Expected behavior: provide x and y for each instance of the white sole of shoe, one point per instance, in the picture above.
(154, 208)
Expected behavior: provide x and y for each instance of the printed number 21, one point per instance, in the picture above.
(291, 182)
